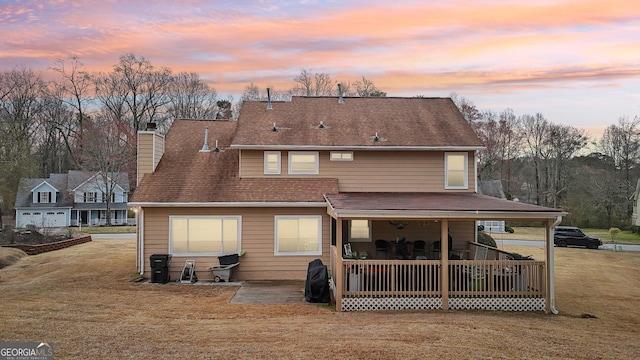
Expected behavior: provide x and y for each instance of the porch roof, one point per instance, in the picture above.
(433, 205)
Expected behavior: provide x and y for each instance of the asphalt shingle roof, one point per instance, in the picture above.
(186, 175)
(399, 122)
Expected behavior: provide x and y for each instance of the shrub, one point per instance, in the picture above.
(509, 229)
(613, 232)
(517, 256)
(486, 239)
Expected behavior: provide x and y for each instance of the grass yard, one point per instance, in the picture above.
(537, 233)
(81, 299)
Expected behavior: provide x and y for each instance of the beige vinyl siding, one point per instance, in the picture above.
(257, 239)
(150, 151)
(372, 171)
(145, 154)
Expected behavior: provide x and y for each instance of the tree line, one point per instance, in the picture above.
(558, 165)
(69, 118)
(88, 121)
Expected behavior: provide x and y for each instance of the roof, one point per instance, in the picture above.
(186, 175)
(78, 178)
(436, 205)
(64, 183)
(24, 198)
(421, 123)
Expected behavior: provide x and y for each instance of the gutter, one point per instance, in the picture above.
(552, 281)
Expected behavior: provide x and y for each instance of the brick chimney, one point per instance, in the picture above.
(150, 150)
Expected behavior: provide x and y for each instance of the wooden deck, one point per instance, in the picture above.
(419, 284)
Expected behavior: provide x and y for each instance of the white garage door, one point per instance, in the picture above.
(45, 218)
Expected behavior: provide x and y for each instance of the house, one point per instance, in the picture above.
(72, 199)
(294, 181)
(491, 188)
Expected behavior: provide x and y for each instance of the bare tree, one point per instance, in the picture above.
(135, 91)
(366, 88)
(621, 142)
(21, 92)
(563, 142)
(108, 151)
(313, 84)
(536, 129)
(468, 109)
(191, 98)
(74, 89)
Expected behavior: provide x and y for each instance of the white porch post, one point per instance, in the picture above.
(444, 260)
(549, 293)
(339, 276)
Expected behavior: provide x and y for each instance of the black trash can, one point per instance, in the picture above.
(159, 264)
(159, 260)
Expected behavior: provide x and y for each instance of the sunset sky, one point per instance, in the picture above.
(576, 62)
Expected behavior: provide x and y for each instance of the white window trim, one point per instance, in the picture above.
(466, 170)
(171, 217)
(359, 239)
(313, 172)
(266, 171)
(341, 153)
(299, 253)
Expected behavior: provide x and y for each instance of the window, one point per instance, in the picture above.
(204, 235)
(456, 173)
(298, 235)
(303, 162)
(341, 156)
(44, 197)
(272, 162)
(90, 197)
(360, 231)
(60, 213)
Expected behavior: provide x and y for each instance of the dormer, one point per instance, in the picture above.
(44, 193)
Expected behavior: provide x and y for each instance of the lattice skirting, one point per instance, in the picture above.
(505, 304)
(434, 303)
(391, 303)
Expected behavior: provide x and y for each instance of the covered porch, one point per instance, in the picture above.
(411, 261)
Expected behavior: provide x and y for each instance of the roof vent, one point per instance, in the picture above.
(269, 106)
(216, 149)
(321, 126)
(205, 147)
(274, 128)
(376, 138)
(340, 99)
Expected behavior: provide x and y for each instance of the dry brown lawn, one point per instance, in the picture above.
(81, 299)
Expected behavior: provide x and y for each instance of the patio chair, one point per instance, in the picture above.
(382, 246)
(419, 248)
(481, 253)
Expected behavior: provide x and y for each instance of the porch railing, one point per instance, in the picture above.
(422, 278)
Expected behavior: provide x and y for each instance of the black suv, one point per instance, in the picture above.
(572, 236)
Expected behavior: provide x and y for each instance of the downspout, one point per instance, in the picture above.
(140, 224)
(552, 291)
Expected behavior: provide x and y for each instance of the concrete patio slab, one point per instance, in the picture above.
(271, 292)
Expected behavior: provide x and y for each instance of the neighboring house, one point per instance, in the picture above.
(75, 198)
(491, 188)
(289, 182)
